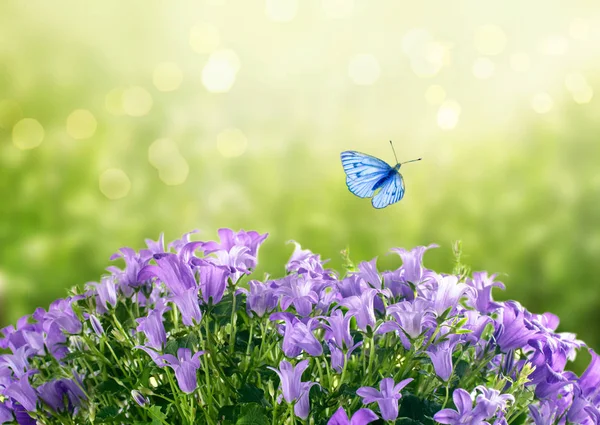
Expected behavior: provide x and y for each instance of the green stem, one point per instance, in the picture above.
(291, 412)
(175, 393)
(250, 340)
(371, 355)
(233, 318)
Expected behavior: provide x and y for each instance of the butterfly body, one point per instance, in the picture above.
(370, 177)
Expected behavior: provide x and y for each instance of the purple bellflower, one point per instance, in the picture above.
(387, 398)
(511, 330)
(298, 336)
(61, 394)
(304, 261)
(213, 281)
(361, 417)
(172, 271)
(464, 413)
(412, 263)
(362, 308)
(447, 293)
(481, 296)
(187, 304)
(153, 327)
(261, 298)
(293, 388)
(441, 357)
(299, 291)
(186, 367)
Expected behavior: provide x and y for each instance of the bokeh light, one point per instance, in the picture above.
(172, 167)
(219, 74)
(490, 40)
(555, 45)
(520, 62)
(542, 103)
(28, 133)
(579, 88)
(338, 9)
(231, 143)
(137, 101)
(435, 94)
(579, 29)
(281, 10)
(427, 56)
(448, 115)
(114, 183)
(483, 68)
(204, 37)
(167, 76)
(364, 70)
(114, 101)
(81, 124)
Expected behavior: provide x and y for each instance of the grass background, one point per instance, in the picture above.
(251, 103)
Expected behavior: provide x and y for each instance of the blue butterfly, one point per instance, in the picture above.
(367, 176)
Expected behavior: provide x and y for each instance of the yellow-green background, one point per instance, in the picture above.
(499, 98)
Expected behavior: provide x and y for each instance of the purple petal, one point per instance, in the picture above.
(369, 394)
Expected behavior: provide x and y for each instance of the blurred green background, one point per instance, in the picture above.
(122, 120)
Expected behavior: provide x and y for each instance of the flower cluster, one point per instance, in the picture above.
(181, 334)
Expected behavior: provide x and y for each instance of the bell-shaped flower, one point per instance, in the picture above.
(464, 413)
(18, 362)
(5, 413)
(261, 298)
(187, 304)
(387, 398)
(367, 271)
(412, 263)
(229, 239)
(481, 296)
(213, 281)
(22, 391)
(298, 336)
(172, 271)
(440, 354)
(447, 293)
(299, 291)
(338, 329)
(413, 316)
(361, 307)
(185, 367)
(511, 330)
(361, 417)
(61, 394)
(304, 261)
(153, 327)
(293, 388)
(490, 401)
(290, 377)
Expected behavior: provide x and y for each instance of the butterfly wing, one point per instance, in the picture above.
(363, 172)
(392, 190)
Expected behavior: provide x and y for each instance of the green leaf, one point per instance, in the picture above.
(252, 414)
(461, 368)
(227, 413)
(251, 394)
(157, 416)
(172, 347)
(407, 421)
(110, 386)
(106, 413)
(189, 341)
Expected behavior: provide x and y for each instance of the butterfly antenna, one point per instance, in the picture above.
(412, 160)
(394, 150)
